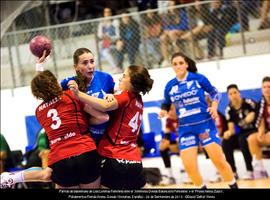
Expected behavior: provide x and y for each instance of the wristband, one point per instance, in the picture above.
(39, 67)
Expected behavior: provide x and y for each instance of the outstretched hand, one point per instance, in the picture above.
(43, 58)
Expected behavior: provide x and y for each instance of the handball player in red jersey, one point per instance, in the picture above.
(121, 164)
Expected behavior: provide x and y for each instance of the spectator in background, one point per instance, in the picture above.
(264, 19)
(38, 157)
(130, 34)
(246, 8)
(108, 33)
(169, 144)
(175, 24)
(5, 155)
(117, 52)
(239, 113)
(262, 136)
(152, 30)
(200, 28)
(221, 17)
(145, 4)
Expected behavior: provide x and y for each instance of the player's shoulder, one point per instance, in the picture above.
(249, 101)
(66, 80)
(102, 74)
(196, 76)
(171, 83)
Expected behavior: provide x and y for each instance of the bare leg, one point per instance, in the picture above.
(189, 158)
(164, 45)
(254, 146)
(32, 175)
(264, 12)
(216, 155)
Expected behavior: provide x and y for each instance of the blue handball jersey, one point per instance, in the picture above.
(102, 83)
(188, 97)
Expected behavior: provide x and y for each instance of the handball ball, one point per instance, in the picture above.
(40, 43)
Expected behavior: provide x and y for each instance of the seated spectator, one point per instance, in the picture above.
(117, 52)
(175, 24)
(152, 30)
(221, 17)
(130, 34)
(264, 19)
(39, 155)
(200, 28)
(241, 113)
(262, 136)
(169, 143)
(5, 155)
(108, 33)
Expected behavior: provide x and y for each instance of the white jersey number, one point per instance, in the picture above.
(134, 122)
(56, 120)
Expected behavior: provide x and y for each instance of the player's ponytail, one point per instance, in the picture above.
(140, 79)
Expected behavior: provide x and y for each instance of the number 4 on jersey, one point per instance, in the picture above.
(134, 122)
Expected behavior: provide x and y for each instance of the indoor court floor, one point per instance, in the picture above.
(208, 171)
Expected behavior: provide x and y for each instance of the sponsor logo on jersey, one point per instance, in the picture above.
(187, 141)
(123, 161)
(174, 90)
(184, 95)
(185, 113)
(189, 84)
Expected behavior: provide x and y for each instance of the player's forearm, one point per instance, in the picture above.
(250, 117)
(99, 104)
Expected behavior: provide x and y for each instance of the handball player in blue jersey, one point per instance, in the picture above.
(196, 120)
(92, 82)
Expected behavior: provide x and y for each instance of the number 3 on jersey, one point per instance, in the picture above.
(134, 122)
(56, 120)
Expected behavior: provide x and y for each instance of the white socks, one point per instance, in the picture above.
(257, 164)
(169, 171)
(17, 177)
(39, 67)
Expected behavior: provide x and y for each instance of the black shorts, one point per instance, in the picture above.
(122, 174)
(172, 137)
(81, 169)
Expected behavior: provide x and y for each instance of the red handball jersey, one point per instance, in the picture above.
(66, 126)
(172, 124)
(121, 136)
